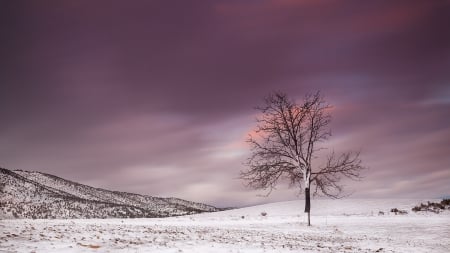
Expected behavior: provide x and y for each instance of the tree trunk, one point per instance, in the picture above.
(308, 205)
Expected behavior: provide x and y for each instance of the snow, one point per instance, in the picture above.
(337, 226)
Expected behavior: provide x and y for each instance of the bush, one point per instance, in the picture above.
(397, 211)
(433, 207)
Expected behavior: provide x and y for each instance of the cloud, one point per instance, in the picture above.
(143, 96)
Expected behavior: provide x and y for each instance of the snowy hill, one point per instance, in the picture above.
(327, 208)
(26, 194)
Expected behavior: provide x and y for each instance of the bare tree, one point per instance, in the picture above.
(285, 146)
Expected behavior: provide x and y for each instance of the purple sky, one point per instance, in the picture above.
(157, 97)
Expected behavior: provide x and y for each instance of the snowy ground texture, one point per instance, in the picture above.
(338, 226)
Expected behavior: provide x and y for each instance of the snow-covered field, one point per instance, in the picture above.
(338, 226)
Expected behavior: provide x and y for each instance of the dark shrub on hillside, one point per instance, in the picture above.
(397, 211)
(433, 207)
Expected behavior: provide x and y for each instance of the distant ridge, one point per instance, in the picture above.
(31, 194)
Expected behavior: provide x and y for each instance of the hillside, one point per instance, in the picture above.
(27, 194)
(330, 207)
